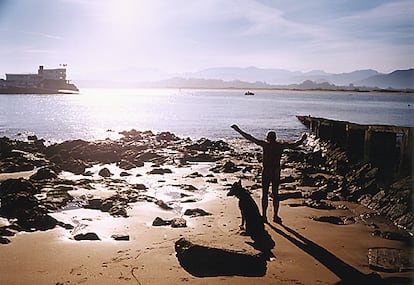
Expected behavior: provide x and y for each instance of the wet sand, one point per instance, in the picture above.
(306, 251)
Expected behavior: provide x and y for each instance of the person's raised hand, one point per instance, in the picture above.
(234, 126)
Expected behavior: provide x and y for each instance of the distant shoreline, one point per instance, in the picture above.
(288, 89)
(242, 90)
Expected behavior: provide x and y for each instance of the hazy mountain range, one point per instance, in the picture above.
(252, 77)
(400, 79)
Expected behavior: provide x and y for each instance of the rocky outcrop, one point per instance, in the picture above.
(327, 166)
(21, 156)
(18, 201)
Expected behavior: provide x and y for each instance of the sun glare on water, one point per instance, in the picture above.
(122, 109)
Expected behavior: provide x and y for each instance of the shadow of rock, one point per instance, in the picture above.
(203, 261)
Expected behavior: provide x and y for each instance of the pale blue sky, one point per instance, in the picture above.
(96, 37)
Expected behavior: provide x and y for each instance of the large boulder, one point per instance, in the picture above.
(18, 201)
(16, 186)
(104, 172)
(44, 173)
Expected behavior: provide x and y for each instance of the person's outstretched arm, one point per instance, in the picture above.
(296, 143)
(247, 136)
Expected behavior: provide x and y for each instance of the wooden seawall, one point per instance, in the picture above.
(389, 148)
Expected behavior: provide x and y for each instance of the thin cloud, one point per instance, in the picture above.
(43, 51)
(43, 35)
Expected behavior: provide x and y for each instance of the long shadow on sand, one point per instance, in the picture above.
(347, 273)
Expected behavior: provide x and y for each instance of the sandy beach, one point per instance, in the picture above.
(306, 251)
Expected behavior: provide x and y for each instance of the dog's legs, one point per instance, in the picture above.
(243, 222)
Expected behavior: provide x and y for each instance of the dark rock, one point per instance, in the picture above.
(335, 220)
(20, 205)
(395, 203)
(95, 203)
(160, 222)
(107, 204)
(227, 167)
(389, 259)
(194, 175)
(166, 136)
(287, 179)
(15, 186)
(319, 194)
(148, 157)
(133, 135)
(311, 180)
(204, 144)
(4, 231)
(120, 237)
(160, 171)
(16, 166)
(163, 205)
(124, 164)
(75, 166)
(178, 223)
(196, 212)
(104, 172)
(123, 174)
(399, 235)
(118, 211)
(4, 240)
(87, 236)
(188, 187)
(139, 186)
(190, 200)
(44, 173)
(65, 226)
(37, 221)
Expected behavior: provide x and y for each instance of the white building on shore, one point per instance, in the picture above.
(36, 80)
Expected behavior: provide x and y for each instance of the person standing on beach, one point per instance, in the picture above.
(272, 153)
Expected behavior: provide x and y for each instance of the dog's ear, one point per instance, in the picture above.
(235, 188)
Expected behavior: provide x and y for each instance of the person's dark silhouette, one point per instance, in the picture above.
(272, 152)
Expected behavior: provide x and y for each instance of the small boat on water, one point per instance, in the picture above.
(249, 93)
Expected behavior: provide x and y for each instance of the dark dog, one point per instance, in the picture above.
(251, 218)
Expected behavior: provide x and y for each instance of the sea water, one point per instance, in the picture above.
(101, 113)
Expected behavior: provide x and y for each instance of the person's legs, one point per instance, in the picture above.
(275, 192)
(265, 194)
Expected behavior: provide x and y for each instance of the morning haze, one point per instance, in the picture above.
(206, 142)
(154, 40)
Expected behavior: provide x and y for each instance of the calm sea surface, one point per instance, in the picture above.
(100, 113)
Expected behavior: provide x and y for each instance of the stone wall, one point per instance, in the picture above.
(389, 148)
